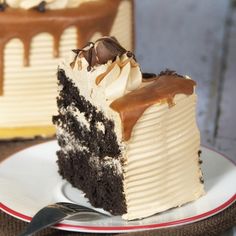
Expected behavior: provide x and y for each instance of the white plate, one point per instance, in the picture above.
(29, 181)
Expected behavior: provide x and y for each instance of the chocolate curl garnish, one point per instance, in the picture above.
(108, 49)
(41, 7)
(89, 55)
(76, 51)
(3, 6)
(72, 64)
(102, 51)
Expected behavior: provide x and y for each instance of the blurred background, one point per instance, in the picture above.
(195, 38)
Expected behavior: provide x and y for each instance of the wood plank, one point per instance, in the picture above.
(186, 36)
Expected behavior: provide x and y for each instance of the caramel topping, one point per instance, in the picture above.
(110, 68)
(22, 24)
(102, 76)
(132, 105)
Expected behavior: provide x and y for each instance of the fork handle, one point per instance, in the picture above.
(44, 219)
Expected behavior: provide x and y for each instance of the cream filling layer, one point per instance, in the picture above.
(162, 169)
(73, 145)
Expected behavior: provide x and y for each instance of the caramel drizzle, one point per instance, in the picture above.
(132, 62)
(132, 105)
(24, 25)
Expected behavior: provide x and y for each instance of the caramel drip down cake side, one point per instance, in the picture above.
(29, 58)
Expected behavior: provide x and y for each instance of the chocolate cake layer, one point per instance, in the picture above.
(99, 143)
(92, 162)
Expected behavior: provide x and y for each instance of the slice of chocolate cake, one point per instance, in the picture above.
(130, 142)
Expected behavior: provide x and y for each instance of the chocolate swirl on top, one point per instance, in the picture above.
(102, 51)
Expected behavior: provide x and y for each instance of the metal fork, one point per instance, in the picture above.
(52, 214)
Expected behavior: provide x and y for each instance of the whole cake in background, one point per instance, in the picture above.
(128, 140)
(33, 35)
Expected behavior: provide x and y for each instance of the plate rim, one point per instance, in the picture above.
(119, 229)
(113, 229)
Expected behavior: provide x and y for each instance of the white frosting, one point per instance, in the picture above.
(50, 4)
(71, 143)
(121, 79)
(106, 163)
(125, 76)
(80, 116)
(100, 126)
(161, 169)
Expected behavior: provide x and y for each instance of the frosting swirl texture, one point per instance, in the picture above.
(113, 68)
(121, 77)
